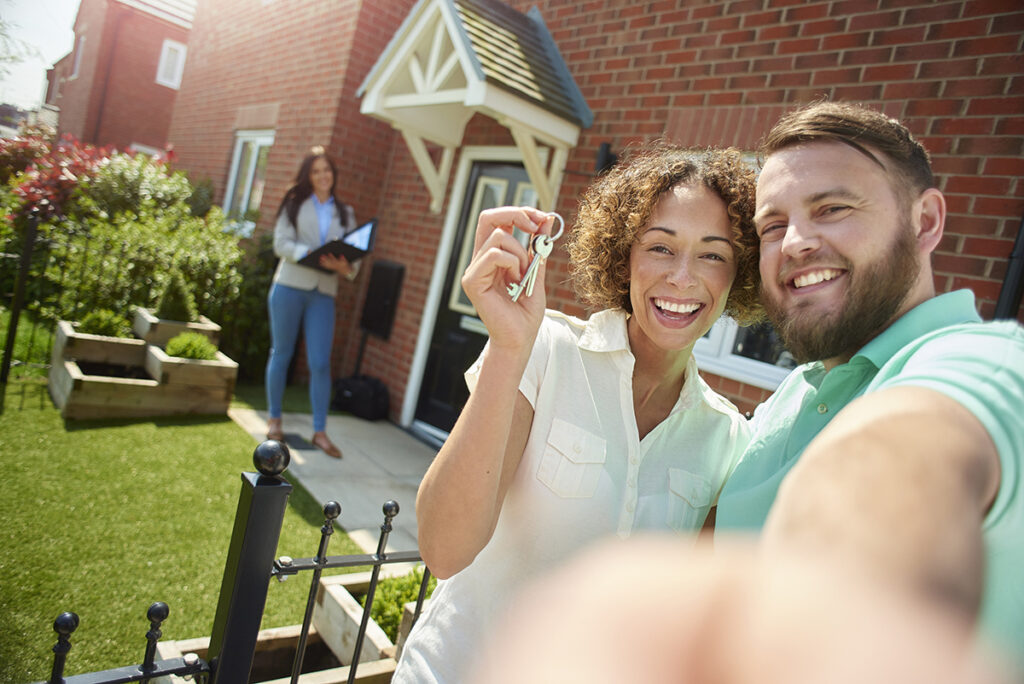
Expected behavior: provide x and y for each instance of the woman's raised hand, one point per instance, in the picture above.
(498, 260)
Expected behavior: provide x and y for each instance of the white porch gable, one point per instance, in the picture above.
(452, 58)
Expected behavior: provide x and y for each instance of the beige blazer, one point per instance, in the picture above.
(291, 243)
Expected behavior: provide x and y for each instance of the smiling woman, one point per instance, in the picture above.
(578, 421)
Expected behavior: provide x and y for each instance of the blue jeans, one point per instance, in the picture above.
(314, 310)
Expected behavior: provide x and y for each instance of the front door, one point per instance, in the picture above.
(459, 336)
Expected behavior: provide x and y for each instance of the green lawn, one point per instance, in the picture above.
(105, 517)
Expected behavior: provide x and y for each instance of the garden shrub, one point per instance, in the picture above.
(123, 183)
(245, 326)
(201, 200)
(192, 345)
(391, 596)
(105, 322)
(176, 302)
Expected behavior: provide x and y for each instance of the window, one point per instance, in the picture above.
(752, 355)
(246, 180)
(172, 64)
(78, 57)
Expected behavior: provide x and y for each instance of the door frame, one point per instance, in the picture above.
(467, 157)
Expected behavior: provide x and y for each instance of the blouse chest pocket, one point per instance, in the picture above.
(572, 462)
(689, 500)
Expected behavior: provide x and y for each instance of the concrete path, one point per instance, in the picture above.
(381, 462)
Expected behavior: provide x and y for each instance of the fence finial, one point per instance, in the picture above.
(64, 625)
(271, 457)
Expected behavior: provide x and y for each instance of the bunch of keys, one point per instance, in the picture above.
(540, 246)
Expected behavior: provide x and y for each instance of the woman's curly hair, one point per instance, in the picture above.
(616, 208)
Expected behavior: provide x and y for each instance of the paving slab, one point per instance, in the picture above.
(381, 462)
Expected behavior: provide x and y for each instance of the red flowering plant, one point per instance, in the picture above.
(49, 181)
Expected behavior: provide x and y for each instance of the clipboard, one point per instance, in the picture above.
(354, 245)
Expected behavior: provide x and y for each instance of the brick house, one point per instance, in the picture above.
(118, 83)
(436, 108)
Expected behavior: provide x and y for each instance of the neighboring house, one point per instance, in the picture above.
(117, 85)
(438, 108)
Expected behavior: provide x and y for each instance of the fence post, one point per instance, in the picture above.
(28, 245)
(250, 561)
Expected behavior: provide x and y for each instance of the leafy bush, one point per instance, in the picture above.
(245, 334)
(17, 154)
(176, 302)
(391, 596)
(201, 200)
(105, 322)
(192, 345)
(122, 183)
(50, 180)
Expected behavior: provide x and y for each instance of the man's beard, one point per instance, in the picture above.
(873, 298)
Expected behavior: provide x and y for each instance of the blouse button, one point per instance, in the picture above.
(822, 408)
(577, 448)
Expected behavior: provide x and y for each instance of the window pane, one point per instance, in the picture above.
(236, 205)
(762, 343)
(258, 182)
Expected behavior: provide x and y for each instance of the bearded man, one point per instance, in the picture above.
(898, 446)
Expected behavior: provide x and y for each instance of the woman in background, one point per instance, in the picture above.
(310, 215)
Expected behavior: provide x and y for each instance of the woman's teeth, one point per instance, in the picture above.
(672, 307)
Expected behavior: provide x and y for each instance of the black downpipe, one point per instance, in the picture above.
(1013, 284)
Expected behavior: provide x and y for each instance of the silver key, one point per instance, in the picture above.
(541, 246)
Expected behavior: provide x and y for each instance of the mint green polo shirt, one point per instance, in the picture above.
(942, 345)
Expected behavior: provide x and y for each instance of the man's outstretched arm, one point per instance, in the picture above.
(898, 483)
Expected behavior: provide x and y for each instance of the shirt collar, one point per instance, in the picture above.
(938, 312)
(605, 332)
(317, 203)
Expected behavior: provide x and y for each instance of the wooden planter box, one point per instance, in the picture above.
(175, 386)
(158, 330)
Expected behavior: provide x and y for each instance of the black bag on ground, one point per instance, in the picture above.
(361, 395)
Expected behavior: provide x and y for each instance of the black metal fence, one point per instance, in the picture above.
(248, 571)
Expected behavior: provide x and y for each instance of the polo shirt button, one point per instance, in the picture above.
(822, 408)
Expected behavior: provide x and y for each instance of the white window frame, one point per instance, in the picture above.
(260, 138)
(77, 62)
(714, 355)
(172, 80)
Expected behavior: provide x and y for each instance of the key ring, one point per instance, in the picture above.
(561, 225)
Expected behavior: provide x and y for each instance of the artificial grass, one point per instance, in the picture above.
(105, 517)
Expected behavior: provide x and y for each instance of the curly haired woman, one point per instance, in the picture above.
(575, 429)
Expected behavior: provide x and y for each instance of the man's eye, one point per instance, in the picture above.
(772, 231)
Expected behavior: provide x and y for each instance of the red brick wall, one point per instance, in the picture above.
(137, 109)
(115, 99)
(75, 98)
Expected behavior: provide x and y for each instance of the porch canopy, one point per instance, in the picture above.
(452, 58)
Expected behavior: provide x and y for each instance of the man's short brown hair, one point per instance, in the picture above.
(864, 130)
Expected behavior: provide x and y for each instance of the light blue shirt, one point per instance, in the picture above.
(324, 215)
(942, 345)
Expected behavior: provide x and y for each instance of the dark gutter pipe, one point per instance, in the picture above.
(1013, 284)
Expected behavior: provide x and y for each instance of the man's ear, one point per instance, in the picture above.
(929, 218)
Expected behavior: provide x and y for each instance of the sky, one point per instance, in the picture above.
(45, 25)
